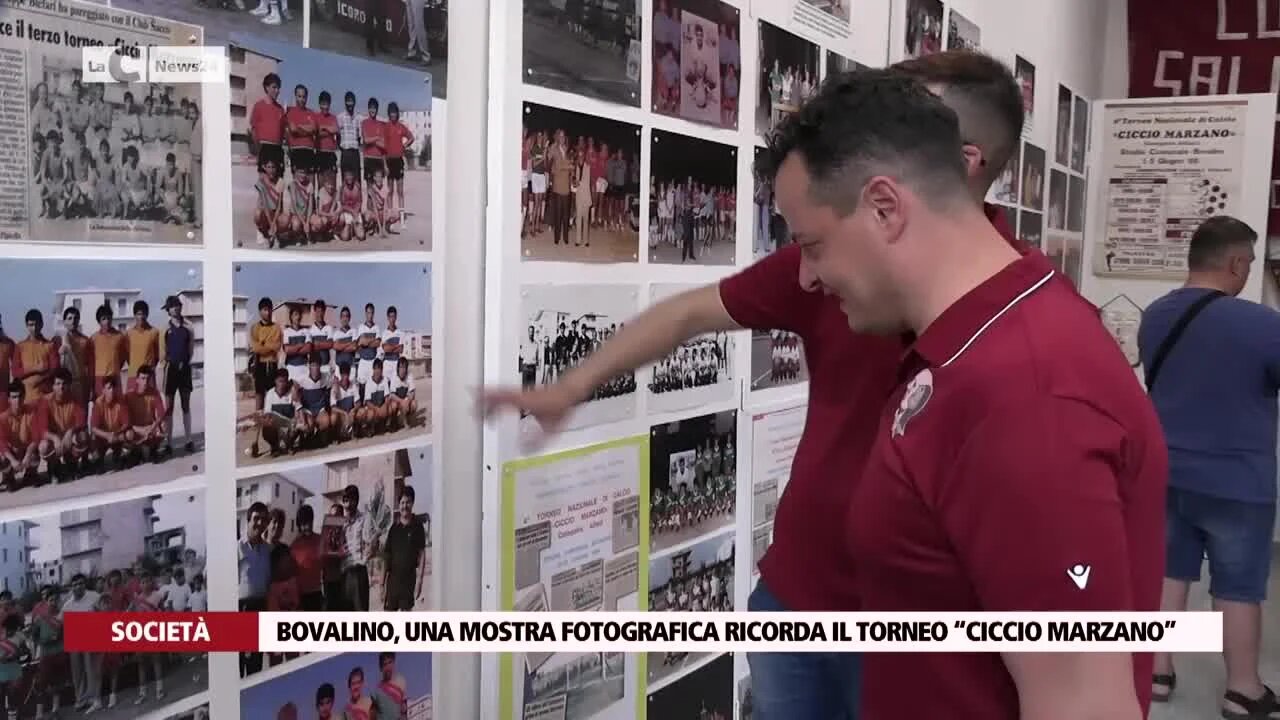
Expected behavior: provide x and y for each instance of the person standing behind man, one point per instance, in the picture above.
(1212, 363)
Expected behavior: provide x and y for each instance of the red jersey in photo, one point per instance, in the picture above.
(110, 417)
(308, 562)
(372, 129)
(35, 355)
(299, 122)
(20, 427)
(145, 408)
(328, 139)
(397, 137)
(266, 122)
(65, 416)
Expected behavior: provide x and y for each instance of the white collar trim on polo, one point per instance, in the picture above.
(1021, 296)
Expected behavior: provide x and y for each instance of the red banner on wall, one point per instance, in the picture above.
(1202, 47)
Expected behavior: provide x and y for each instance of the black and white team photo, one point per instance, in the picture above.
(693, 470)
(564, 325)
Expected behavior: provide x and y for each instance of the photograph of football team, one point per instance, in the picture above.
(579, 185)
(694, 578)
(1075, 203)
(699, 371)
(142, 555)
(1062, 131)
(1033, 176)
(839, 63)
(1025, 73)
(278, 20)
(574, 686)
(1079, 133)
(1057, 199)
(962, 33)
(413, 34)
(350, 686)
(1072, 258)
(563, 325)
(330, 357)
(788, 75)
(102, 365)
(693, 200)
(693, 470)
(924, 27)
(1031, 227)
(110, 162)
(697, 61)
(768, 227)
(329, 153)
(777, 359)
(348, 535)
(583, 47)
(704, 694)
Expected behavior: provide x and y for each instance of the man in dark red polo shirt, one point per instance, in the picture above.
(851, 376)
(1018, 466)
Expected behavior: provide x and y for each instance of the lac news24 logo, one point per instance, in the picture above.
(155, 64)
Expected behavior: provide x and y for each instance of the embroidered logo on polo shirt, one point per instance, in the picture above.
(917, 395)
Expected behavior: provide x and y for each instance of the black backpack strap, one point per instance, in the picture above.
(1175, 334)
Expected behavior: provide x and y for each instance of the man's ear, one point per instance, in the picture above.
(974, 160)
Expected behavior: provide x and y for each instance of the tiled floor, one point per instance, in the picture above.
(1201, 676)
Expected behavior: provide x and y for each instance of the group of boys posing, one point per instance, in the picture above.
(78, 405)
(311, 207)
(302, 404)
(151, 177)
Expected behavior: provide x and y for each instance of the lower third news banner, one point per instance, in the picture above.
(631, 632)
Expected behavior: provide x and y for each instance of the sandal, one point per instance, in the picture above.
(1262, 708)
(1166, 683)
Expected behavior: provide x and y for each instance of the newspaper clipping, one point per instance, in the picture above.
(575, 542)
(111, 162)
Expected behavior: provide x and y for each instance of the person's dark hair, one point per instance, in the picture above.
(985, 96)
(64, 375)
(104, 312)
(72, 311)
(325, 691)
(867, 123)
(305, 516)
(269, 80)
(141, 306)
(355, 673)
(258, 507)
(351, 492)
(409, 493)
(34, 316)
(325, 97)
(145, 370)
(265, 304)
(1215, 238)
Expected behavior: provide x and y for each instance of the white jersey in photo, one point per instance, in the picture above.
(345, 398)
(339, 335)
(314, 393)
(376, 391)
(403, 388)
(279, 404)
(367, 355)
(390, 358)
(322, 333)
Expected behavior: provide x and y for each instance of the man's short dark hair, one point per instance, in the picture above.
(867, 123)
(1215, 238)
(985, 96)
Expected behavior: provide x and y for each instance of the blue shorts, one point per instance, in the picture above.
(801, 686)
(1234, 535)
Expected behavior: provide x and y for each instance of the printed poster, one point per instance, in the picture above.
(1166, 167)
(575, 539)
(774, 439)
